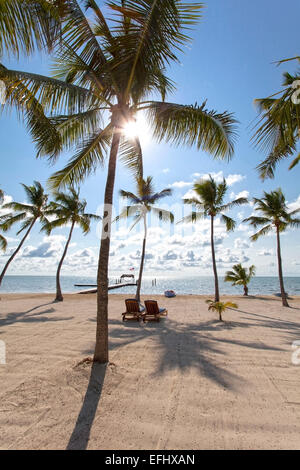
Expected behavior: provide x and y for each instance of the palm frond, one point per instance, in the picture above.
(256, 221)
(277, 130)
(17, 207)
(91, 154)
(295, 162)
(9, 220)
(192, 218)
(71, 129)
(163, 215)
(29, 24)
(193, 201)
(131, 196)
(130, 211)
(78, 33)
(57, 223)
(229, 222)
(161, 25)
(3, 243)
(194, 125)
(237, 202)
(55, 95)
(294, 223)
(264, 231)
(130, 154)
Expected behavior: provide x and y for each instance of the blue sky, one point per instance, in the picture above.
(230, 63)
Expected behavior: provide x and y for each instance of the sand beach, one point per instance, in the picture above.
(188, 382)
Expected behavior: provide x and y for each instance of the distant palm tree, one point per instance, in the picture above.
(220, 307)
(67, 209)
(105, 73)
(3, 241)
(27, 214)
(141, 205)
(240, 276)
(278, 130)
(209, 202)
(274, 214)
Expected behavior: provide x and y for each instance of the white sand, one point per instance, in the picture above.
(188, 382)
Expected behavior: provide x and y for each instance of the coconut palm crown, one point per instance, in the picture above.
(278, 129)
(274, 215)
(240, 276)
(67, 208)
(208, 201)
(220, 307)
(26, 215)
(142, 204)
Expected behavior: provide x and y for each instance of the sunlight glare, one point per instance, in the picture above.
(138, 128)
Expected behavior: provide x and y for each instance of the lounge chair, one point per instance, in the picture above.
(153, 312)
(133, 310)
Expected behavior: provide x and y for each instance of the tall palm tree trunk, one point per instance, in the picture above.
(217, 294)
(59, 296)
(101, 348)
(282, 290)
(16, 251)
(139, 282)
(246, 290)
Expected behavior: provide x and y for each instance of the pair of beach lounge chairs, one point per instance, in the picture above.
(151, 311)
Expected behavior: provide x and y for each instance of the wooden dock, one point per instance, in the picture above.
(112, 287)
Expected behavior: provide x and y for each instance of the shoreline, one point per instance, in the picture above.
(17, 295)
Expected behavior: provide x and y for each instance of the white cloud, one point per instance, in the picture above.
(243, 228)
(218, 177)
(295, 204)
(239, 243)
(50, 247)
(181, 184)
(265, 252)
(6, 200)
(244, 194)
(166, 170)
(233, 179)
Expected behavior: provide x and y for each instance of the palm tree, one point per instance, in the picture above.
(67, 209)
(26, 25)
(278, 130)
(220, 307)
(274, 214)
(141, 205)
(105, 74)
(27, 214)
(209, 202)
(3, 241)
(240, 276)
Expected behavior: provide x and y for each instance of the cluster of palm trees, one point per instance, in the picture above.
(208, 202)
(65, 209)
(105, 73)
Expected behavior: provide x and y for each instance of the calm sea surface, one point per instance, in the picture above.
(186, 285)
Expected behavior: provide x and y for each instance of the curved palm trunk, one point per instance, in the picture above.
(282, 290)
(246, 289)
(16, 251)
(139, 283)
(101, 348)
(59, 296)
(217, 294)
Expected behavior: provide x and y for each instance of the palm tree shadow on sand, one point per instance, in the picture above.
(81, 434)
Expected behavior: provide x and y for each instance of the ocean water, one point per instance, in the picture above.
(185, 285)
